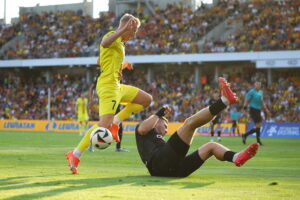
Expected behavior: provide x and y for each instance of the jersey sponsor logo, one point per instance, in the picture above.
(159, 136)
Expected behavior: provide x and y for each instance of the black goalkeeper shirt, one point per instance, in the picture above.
(148, 144)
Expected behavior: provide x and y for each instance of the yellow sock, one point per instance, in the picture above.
(85, 141)
(130, 109)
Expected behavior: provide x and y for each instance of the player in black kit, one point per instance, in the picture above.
(169, 158)
(217, 119)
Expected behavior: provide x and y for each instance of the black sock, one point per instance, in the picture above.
(228, 156)
(217, 107)
(118, 145)
(250, 132)
(219, 133)
(212, 134)
(258, 135)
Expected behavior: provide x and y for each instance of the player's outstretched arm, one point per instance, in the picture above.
(147, 124)
(150, 122)
(131, 24)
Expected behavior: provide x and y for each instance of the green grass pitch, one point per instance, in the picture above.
(33, 166)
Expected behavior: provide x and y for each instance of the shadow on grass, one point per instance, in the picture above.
(82, 184)
(12, 180)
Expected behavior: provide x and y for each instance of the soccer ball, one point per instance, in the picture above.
(101, 138)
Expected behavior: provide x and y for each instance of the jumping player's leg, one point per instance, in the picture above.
(135, 101)
(109, 99)
(107, 108)
(105, 120)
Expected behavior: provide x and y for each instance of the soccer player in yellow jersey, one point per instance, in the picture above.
(82, 113)
(110, 92)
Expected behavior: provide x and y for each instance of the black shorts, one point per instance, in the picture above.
(171, 160)
(217, 120)
(255, 115)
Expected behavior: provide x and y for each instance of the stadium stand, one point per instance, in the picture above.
(267, 25)
(22, 97)
(56, 35)
(8, 32)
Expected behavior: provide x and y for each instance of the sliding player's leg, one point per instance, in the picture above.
(222, 153)
(205, 115)
(195, 160)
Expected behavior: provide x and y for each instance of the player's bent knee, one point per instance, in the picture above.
(148, 100)
(211, 144)
(189, 123)
(206, 150)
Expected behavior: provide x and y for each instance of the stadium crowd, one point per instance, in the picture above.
(8, 32)
(60, 34)
(25, 98)
(268, 25)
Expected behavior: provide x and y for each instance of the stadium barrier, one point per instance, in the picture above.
(73, 126)
(278, 129)
(263, 59)
(269, 129)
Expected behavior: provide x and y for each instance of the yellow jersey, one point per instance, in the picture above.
(111, 59)
(82, 106)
